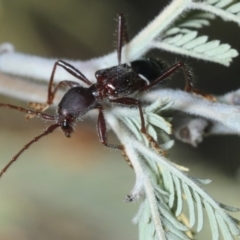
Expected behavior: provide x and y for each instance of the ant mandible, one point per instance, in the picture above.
(114, 84)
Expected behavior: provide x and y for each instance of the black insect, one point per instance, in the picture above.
(115, 85)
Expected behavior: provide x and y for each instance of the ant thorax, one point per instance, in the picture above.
(118, 81)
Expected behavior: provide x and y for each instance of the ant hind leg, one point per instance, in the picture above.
(188, 80)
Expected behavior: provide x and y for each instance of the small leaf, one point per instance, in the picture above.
(167, 145)
(207, 46)
(205, 15)
(234, 8)
(159, 122)
(165, 211)
(154, 106)
(172, 31)
(152, 131)
(168, 185)
(219, 50)
(232, 224)
(159, 105)
(172, 40)
(223, 3)
(172, 236)
(212, 221)
(199, 211)
(172, 228)
(229, 54)
(196, 42)
(190, 205)
(229, 208)
(224, 228)
(186, 38)
(171, 190)
(196, 23)
(131, 125)
(179, 196)
(211, 2)
(161, 191)
(202, 181)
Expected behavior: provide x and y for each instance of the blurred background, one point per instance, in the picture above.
(74, 188)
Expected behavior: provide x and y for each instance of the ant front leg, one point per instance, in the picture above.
(49, 130)
(70, 69)
(52, 91)
(43, 106)
(133, 101)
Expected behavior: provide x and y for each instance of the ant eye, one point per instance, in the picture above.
(67, 128)
(97, 74)
(101, 75)
(65, 125)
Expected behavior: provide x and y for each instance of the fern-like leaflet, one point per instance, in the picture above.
(184, 39)
(171, 187)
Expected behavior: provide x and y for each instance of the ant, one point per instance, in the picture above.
(114, 85)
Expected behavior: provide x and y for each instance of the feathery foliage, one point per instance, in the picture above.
(164, 187)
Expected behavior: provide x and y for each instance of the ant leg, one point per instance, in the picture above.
(102, 133)
(70, 69)
(188, 85)
(21, 109)
(50, 129)
(65, 83)
(168, 72)
(51, 92)
(44, 106)
(133, 101)
(122, 35)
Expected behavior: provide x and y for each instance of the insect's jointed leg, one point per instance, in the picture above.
(102, 133)
(50, 129)
(44, 106)
(133, 101)
(52, 90)
(168, 72)
(70, 69)
(188, 80)
(27, 111)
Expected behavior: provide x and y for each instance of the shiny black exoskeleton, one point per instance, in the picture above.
(149, 68)
(114, 85)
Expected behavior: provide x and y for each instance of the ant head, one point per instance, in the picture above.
(102, 74)
(106, 73)
(75, 103)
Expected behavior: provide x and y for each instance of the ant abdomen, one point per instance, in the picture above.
(149, 68)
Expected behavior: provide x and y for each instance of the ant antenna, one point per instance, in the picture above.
(50, 129)
(122, 36)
